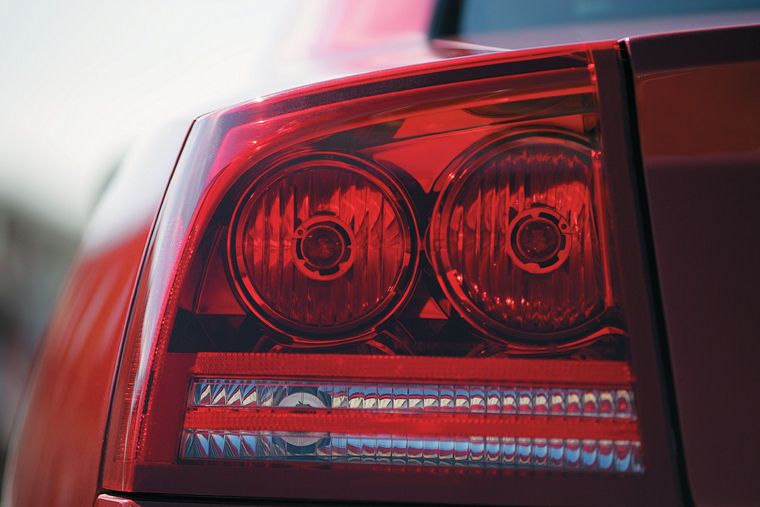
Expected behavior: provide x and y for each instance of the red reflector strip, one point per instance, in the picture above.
(538, 453)
(489, 371)
(555, 401)
(419, 424)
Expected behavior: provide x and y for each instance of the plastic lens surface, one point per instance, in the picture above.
(407, 268)
(620, 456)
(253, 394)
(514, 237)
(320, 231)
(244, 418)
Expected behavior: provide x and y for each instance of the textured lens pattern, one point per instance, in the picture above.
(356, 286)
(552, 401)
(501, 452)
(472, 238)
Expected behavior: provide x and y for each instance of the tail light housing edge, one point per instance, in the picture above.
(403, 282)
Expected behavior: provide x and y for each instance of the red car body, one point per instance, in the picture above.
(679, 109)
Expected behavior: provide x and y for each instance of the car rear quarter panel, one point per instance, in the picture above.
(698, 103)
(57, 445)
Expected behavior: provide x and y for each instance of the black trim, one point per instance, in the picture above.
(163, 500)
(445, 22)
(677, 51)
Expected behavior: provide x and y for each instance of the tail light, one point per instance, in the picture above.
(515, 237)
(392, 287)
(319, 228)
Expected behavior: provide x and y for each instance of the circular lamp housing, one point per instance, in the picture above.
(323, 247)
(514, 238)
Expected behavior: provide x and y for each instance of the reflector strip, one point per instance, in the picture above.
(457, 371)
(413, 411)
(298, 420)
(555, 401)
(505, 452)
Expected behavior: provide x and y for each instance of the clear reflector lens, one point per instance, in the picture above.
(553, 401)
(502, 452)
(558, 420)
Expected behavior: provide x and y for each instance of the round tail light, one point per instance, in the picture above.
(513, 237)
(323, 247)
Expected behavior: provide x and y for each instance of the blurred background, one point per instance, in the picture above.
(79, 81)
(82, 80)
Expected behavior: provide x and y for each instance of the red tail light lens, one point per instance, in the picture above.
(382, 279)
(321, 228)
(514, 236)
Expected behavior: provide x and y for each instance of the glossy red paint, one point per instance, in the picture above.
(54, 458)
(56, 449)
(698, 104)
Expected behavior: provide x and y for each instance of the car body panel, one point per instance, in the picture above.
(698, 104)
(54, 456)
(56, 453)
